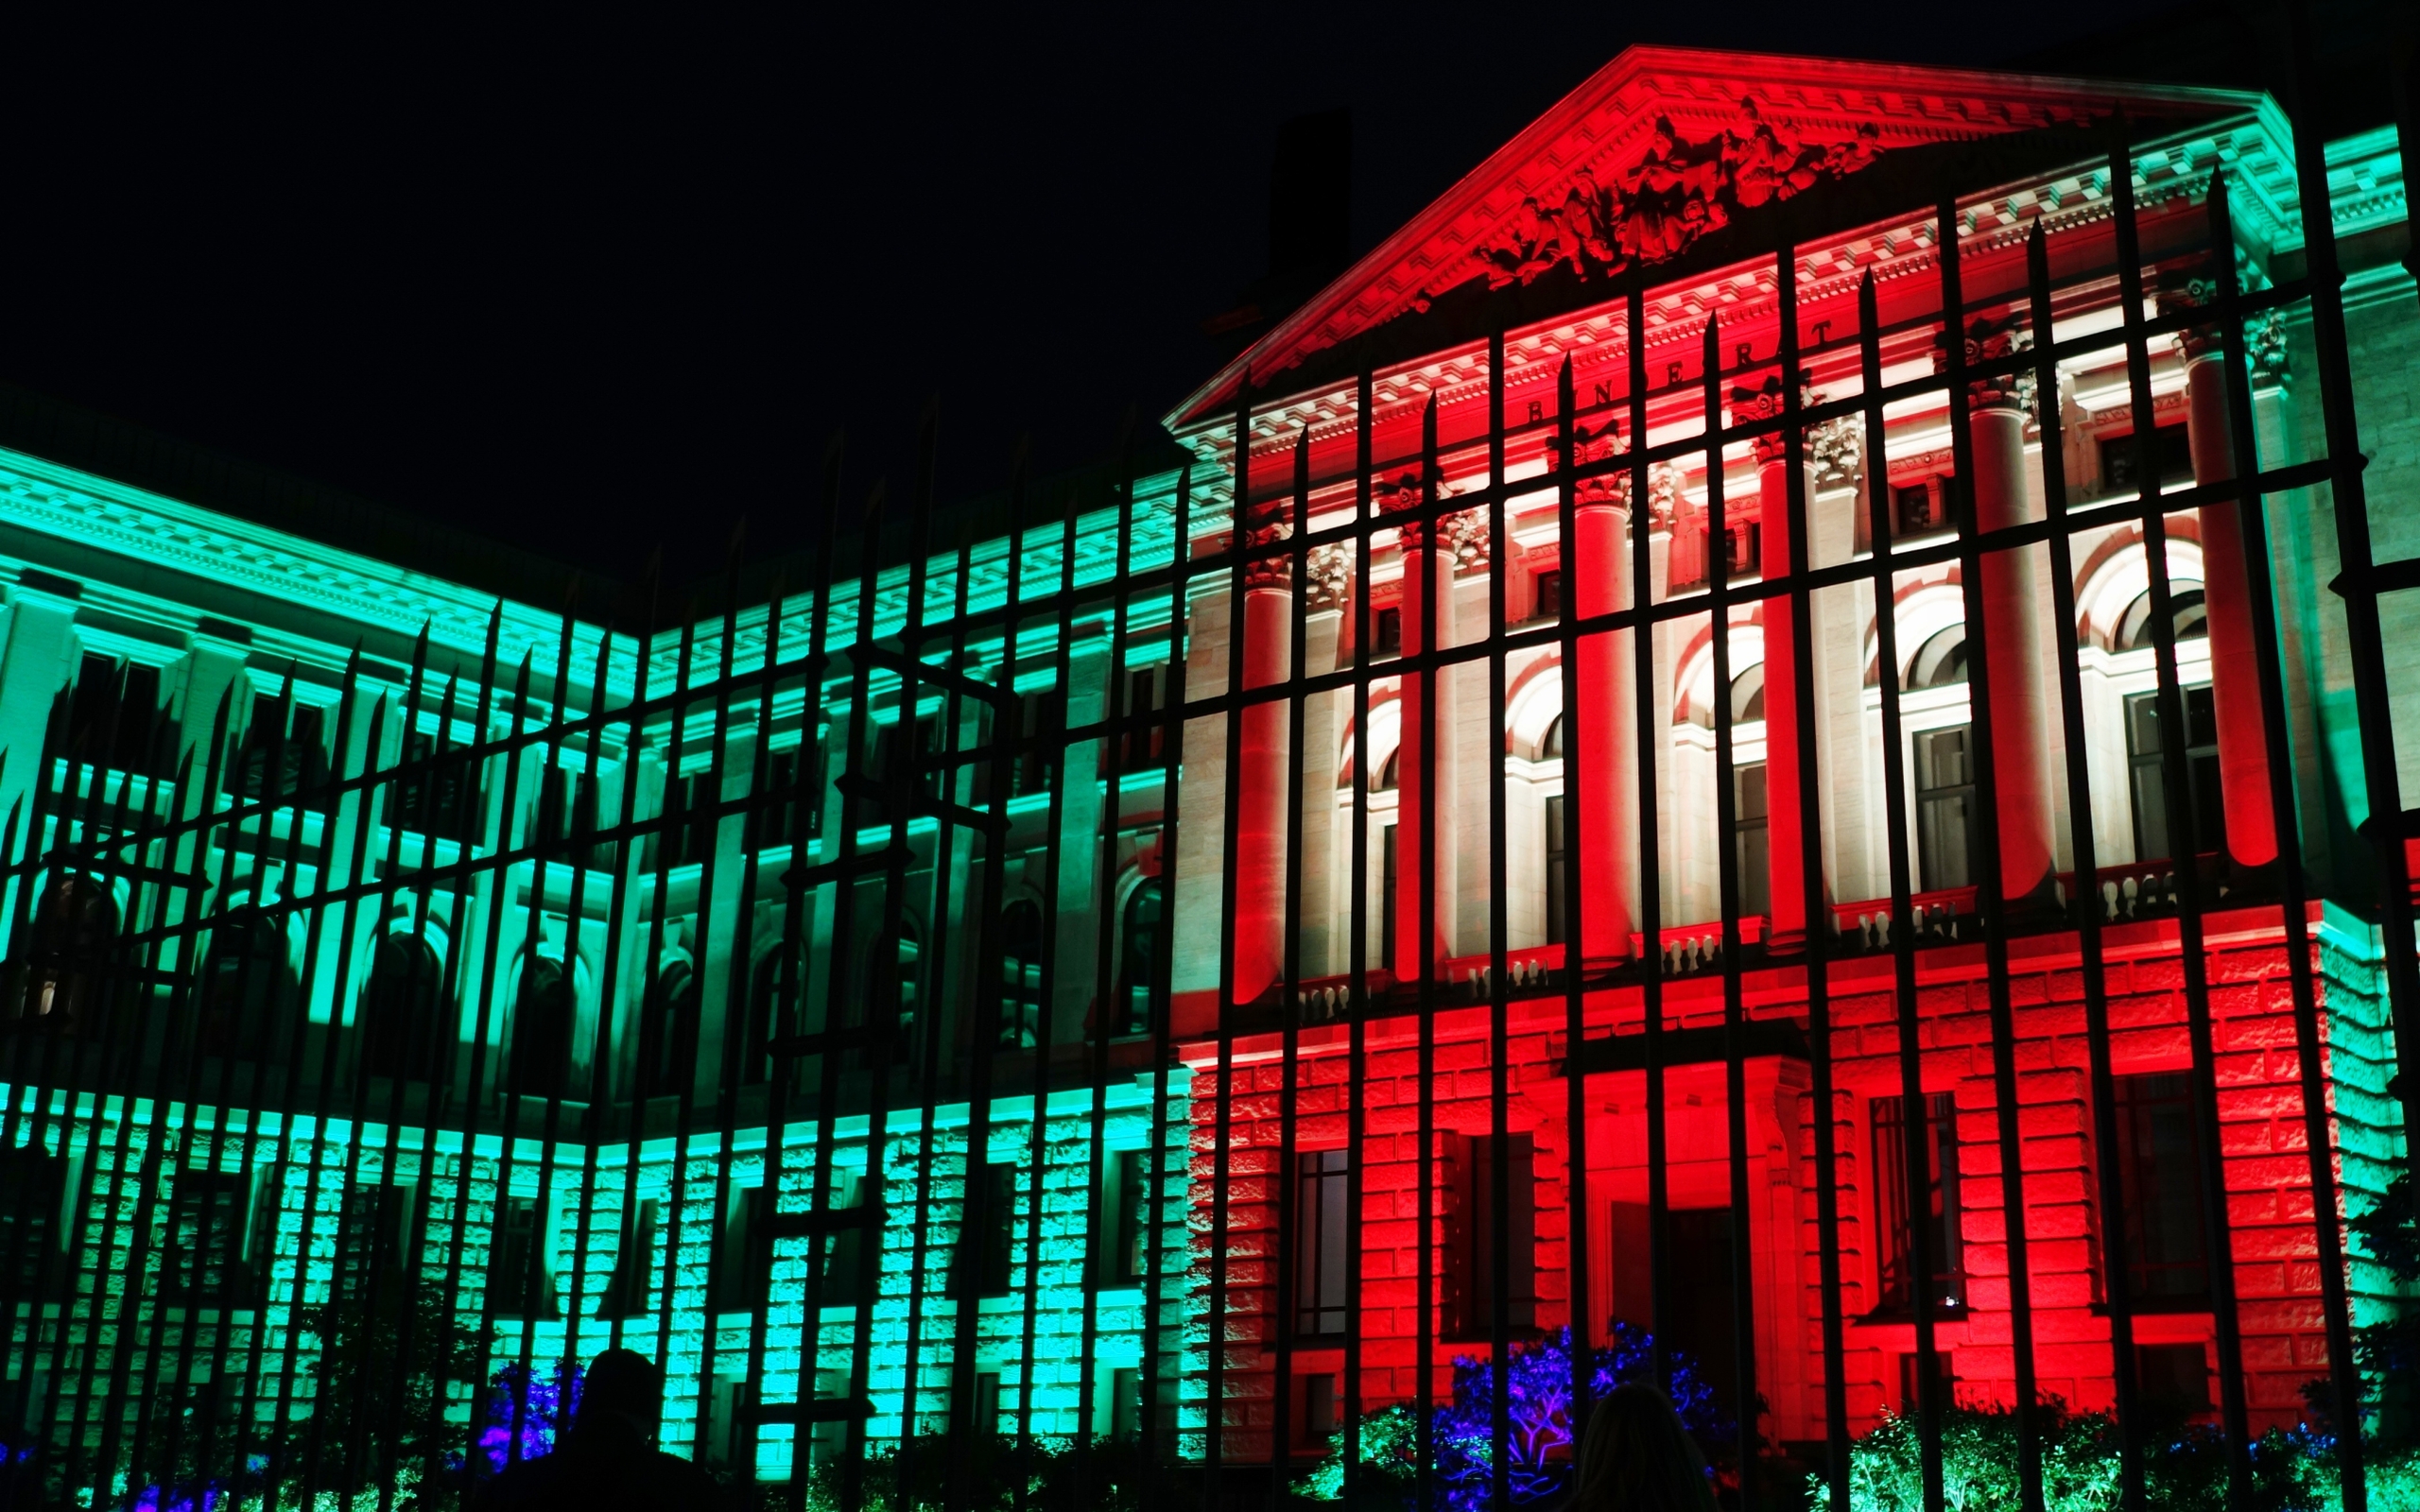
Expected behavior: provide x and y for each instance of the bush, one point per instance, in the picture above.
(1538, 1378)
(2185, 1467)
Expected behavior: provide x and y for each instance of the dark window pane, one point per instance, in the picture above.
(1322, 1234)
(2159, 1167)
(1946, 808)
(1894, 1229)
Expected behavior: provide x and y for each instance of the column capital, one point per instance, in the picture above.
(2265, 350)
(1329, 582)
(1267, 527)
(1994, 336)
(1400, 497)
(2180, 292)
(1769, 401)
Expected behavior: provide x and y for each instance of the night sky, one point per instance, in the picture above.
(606, 285)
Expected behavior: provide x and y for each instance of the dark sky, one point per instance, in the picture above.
(595, 285)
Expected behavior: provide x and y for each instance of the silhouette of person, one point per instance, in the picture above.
(608, 1457)
(1636, 1457)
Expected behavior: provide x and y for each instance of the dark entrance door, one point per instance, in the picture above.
(1700, 1318)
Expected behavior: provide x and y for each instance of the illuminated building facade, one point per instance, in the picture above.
(1460, 857)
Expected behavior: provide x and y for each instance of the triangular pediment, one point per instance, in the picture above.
(1661, 150)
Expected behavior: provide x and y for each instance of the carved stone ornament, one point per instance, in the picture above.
(1328, 581)
(2190, 291)
(1836, 449)
(1399, 494)
(1466, 536)
(1995, 338)
(1677, 193)
(1269, 526)
(1768, 402)
(2264, 346)
(1663, 495)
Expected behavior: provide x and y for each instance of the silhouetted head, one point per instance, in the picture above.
(621, 1395)
(1636, 1457)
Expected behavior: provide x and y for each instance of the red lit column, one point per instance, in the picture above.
(1427, 622)
(2012, 636)
(2227, 593)
(1603, 719)
(1786, 863)
(1266, 625)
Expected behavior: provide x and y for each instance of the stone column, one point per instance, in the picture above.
(1785, 724)
(39, 660)
(1428, 624)
(1603, 712)
(1327, 594)
(2227, 593)
(1266, 625)
(2012, 638)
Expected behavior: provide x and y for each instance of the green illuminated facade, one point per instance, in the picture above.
(608, 1186)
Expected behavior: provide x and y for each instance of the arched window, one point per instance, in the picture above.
(399, 1013)
(893, 978)
(73, 927)
(542, 1029)
(247, 986)
(2186, 612)
(1386, 780)
(1748, 696)
(1141, 946)
(1940, 663)
(776, 999)
(669, 1032)
(1021, 976)
(1551, 749)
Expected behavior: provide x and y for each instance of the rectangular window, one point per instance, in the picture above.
(33, 1197)
(1912, 1374)
(730, 1438)
(1472, 1264)
(1316, 1420)
(1387, 898)
(1545, 595)
(1742, 552)
(987, 1240)
(1894, 1227)
(687, 833)
(369, 1240)
(1916, 507)
(2175, 1380)
(626, 1290)
(1125, 1405)
(1039, 719)
(783, 808)
(113, 714)
(1628, 1236)
(432, 793)
(844, 1249)
(205, 1252)
(987, 1402)
(1322, 1231)
(522, 1274)
(1558, 879)
(745, 1275)
(1386, 636)
(2160, 1181)
(1750, 839)
(2148, 787)
(1945, 812)
(1126, 1217)
(1144, 747)
(2170, 453)
(567, 818)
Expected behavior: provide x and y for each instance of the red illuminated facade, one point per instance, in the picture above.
(1389, 923)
